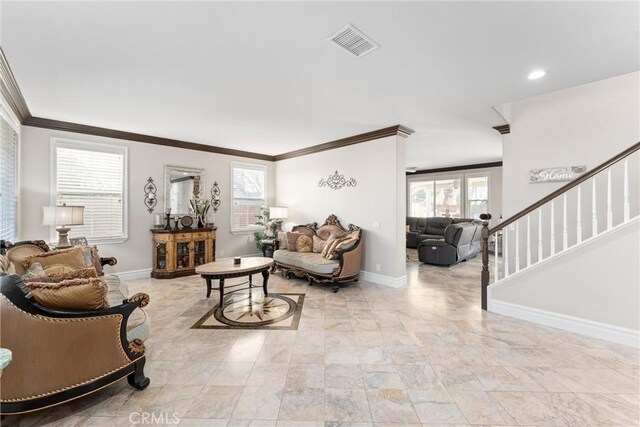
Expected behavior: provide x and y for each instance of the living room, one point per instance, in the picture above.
(155, 135)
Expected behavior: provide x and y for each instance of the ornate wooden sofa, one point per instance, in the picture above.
(61, 355)
(345, 268)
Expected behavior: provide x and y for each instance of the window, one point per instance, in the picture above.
(249, 195)
(477, 196)
(8, 180)
(435, 198)
(93, 176)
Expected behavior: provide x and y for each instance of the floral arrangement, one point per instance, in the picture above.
(200, 207)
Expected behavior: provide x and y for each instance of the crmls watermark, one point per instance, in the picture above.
(154, 418)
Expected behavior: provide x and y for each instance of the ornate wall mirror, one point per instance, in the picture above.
(179, 185)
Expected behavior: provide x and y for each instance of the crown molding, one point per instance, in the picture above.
(10, 90)
(456, 168)
(503, 129)
(397, 130)
(138, 137)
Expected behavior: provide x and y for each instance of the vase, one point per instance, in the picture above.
(200, 223)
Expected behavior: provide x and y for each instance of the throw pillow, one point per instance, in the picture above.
(6, 266)
(292, 239)
(282, 240)
(57, 269)
(35, 270)
(304, 244)
(330, 241)
(75, 294)
(318, 244)
(85, 273)
(72, 258)
(348, 243)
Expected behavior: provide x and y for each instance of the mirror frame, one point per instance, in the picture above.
(167, 183)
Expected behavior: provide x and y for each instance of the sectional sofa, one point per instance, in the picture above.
(444, 241)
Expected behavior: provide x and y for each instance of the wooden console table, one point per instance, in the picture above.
(177, 253)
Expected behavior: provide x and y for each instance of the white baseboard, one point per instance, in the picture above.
(144, 273)
(381, 279)
(617, 334)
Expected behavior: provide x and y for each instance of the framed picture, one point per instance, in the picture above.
(78, 241)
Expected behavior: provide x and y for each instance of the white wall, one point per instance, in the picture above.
(598, 282)
(145, 160)
(583, 125)
(378, 167)
(495, 186)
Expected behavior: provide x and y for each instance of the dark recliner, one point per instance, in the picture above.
(421, 229)
(461, 242)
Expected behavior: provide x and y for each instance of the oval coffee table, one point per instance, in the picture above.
(226, 269)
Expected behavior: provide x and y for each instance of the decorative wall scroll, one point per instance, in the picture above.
(215, 196)
(150, 199)
(559, 174)
(337, 181)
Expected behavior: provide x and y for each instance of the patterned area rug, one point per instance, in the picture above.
(254, 310)
(412, 255)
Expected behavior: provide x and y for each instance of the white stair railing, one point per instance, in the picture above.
(616, 208)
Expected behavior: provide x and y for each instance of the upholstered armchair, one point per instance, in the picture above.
(60, 355)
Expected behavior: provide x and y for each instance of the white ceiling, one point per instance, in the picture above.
(261, 76)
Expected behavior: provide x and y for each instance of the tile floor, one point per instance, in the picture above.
(366, 356)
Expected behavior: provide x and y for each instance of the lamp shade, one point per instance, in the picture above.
(277, 212)
(63, 215)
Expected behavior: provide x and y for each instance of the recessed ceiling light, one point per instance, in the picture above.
(537, 74)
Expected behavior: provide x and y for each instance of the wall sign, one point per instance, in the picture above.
(337, 181)
(560, 174)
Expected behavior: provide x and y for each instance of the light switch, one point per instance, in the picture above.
(376, 224)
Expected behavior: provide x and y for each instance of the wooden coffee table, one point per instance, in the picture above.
(226, 269)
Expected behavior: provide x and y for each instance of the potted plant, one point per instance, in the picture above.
(199, 207)
(267, 227)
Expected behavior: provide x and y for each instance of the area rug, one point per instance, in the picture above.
(254, 310)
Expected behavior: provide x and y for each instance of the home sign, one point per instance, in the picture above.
(559, 174)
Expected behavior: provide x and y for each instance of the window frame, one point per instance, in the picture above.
(257, 166)
(435, 178)
(463, 176)
(7, 114)
(102, 148)
(466, 190)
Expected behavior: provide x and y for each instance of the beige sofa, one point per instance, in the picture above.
(312, 265)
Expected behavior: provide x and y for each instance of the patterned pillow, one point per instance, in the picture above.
(304, 244)
(318, 244)
(327, 245)
(35, 270)
(84, 273)
(92, 259)
(73, 258)
(292, 240)
(76, 294)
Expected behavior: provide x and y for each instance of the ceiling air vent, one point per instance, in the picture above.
(353, 41)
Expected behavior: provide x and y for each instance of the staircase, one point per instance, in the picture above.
(555, 244)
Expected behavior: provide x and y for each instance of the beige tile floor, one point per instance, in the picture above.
(368, 355)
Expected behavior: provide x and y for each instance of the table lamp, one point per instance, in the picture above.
(62, 217)
(278, 214)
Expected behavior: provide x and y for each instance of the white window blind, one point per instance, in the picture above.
(8, 180)
(249, 195)
(93, 176)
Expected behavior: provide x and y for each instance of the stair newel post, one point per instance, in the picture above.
(485, 262)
